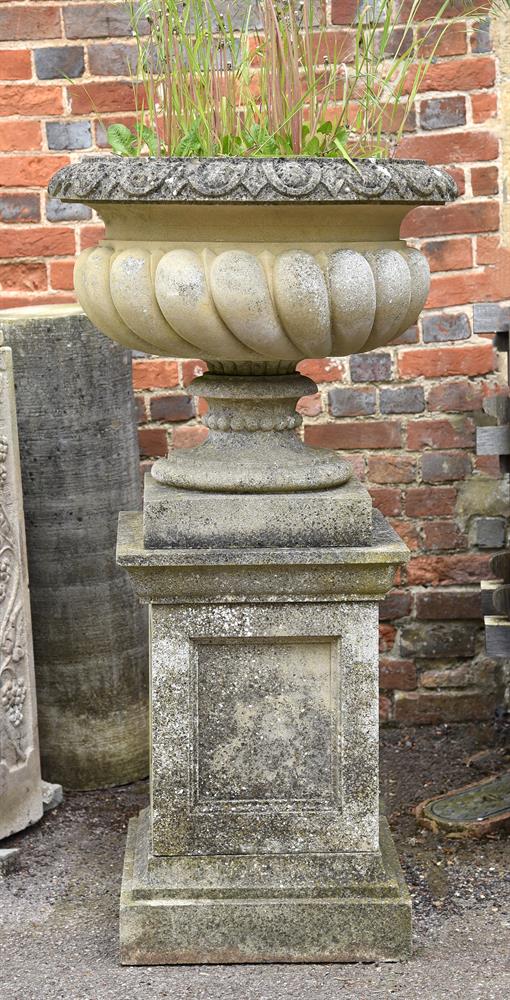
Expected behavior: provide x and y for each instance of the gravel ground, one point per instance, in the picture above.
(58, 911)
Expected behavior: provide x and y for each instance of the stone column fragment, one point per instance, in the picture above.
(20, 774)
(80, 462)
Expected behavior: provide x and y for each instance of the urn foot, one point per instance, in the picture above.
(252, 445)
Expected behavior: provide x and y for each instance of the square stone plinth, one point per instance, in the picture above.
(304, 908)
(177, 518)
(262, 839)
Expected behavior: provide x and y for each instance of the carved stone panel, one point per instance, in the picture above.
(264, 722)
(20, 777)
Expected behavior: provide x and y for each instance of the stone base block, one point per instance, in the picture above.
(180, 518)
(341, 908)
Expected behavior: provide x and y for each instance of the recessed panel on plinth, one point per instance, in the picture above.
(251, 711)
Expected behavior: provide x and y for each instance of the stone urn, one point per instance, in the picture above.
(261, 559)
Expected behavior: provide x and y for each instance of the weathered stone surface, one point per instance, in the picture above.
(52, 794)
(251, 179)
(79, 459)
(305, 912)
(20, 775)
(180, 518)
(252, 446)
(489, 532)
(230, 575)
(264, 728)
(264, 819)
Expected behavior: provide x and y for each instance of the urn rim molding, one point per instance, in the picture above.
(251, 180)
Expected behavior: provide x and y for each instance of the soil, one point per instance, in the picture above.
(58, 910)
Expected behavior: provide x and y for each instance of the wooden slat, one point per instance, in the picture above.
(497, 407)
(488, 588)
(497, 636)
(500, 566)
(493, 440)
(501, 600)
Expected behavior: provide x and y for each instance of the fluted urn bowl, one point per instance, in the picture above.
(252, 264)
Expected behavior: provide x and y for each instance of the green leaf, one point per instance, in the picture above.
(326, 128)
(149, 137)
(121, 140)
(313, 147)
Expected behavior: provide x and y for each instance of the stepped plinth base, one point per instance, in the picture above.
(337, 908)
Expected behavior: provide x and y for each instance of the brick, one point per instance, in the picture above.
(385, 707)
(191, 369)
(310, 406)
(20, 23)
(391, 469)
(484, 107)
(387, 637)
(485, 180)
(453, 147)
(487, 249)
(96, 20)
(396, 604)
(446, 604)
(171, 408)
(371, 367)
(458, 174)
(443, 112)
(488, 465)
(15, 64)
(455, 432)
(440, 534)
(437, 640)
(387, 500)
(453, 42)
(30, 100)
(481, 36)
(461, 288)
(430, 501)
(404, 399)
(457, 75)
(444, 466)
(397, 41)
(447, 569)
(472, 217)
(90, 235)
(355, 435)
(449, 677)
(471, 359)
(490, 317)
(189, 437)
(38, 241)
(449, 254)
(30, 171)
(397, 674)
(451, 397)
(438, 327)
(113, 59)
(352, 402)
(322, 369)
(489, 532)
(344, 11)
(161, 374)
(140, 410)
(27, 277)
(20, 208)
(69, 135)
(409, 336)
(152, 442)
(17, 136)
(430, 707)
(59, 61)
(58, 211)
(90, 98)
(61, 274)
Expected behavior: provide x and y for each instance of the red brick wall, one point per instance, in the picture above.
(405, 414)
